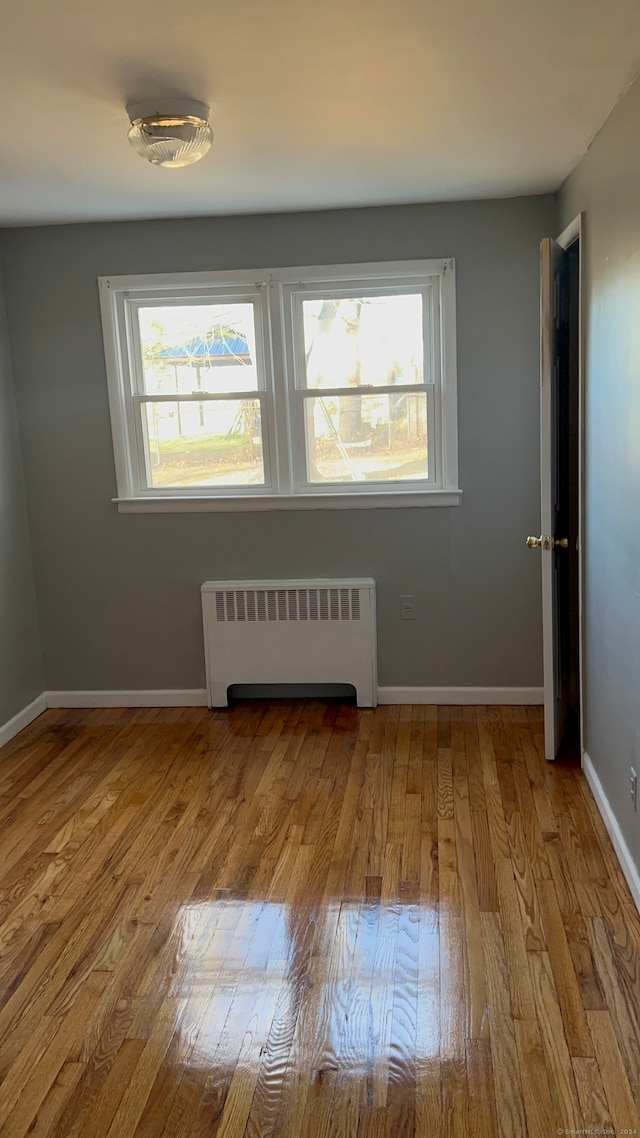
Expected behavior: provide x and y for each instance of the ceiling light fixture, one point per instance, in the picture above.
(170, 132)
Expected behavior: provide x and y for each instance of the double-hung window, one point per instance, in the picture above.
(330, 386)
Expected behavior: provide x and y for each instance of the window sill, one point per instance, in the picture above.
(259, 502)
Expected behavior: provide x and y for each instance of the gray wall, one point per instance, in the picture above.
(21, 678)
(119, 594)
(606, 186)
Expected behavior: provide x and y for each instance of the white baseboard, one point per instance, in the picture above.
(18, 723)
(480, 696)
(179, 697)
(197, 697)
(629, 868)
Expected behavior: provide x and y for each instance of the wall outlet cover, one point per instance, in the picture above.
(408, 608)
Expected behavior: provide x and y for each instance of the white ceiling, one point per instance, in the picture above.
(334, 103)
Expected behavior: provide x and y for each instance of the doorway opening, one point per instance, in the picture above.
(561, 483)
(567, 506)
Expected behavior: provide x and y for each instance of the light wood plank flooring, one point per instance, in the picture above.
(303, 919)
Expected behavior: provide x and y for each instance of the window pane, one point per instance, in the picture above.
(353, 341)
(215, 443)
(358, 438)
(198, 347)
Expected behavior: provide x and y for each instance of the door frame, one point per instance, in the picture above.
(572, 233)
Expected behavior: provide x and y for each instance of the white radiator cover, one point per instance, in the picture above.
(320, 631)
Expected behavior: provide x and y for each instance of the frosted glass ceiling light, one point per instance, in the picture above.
(170, 132)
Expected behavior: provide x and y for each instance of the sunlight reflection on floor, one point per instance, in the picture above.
(356, 983)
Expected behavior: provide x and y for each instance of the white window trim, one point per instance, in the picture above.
(277, 286)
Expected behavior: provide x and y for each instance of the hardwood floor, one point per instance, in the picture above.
(306, 919)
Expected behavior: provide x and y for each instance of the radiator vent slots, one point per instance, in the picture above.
(264, 605)
(297, 631)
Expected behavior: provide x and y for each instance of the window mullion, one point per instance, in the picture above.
(265, 375)
(282, 379)
(297, 388)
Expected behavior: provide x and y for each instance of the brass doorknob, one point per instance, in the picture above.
(544, 542)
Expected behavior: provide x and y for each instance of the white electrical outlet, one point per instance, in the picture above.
(408, 608)
(633, 788)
